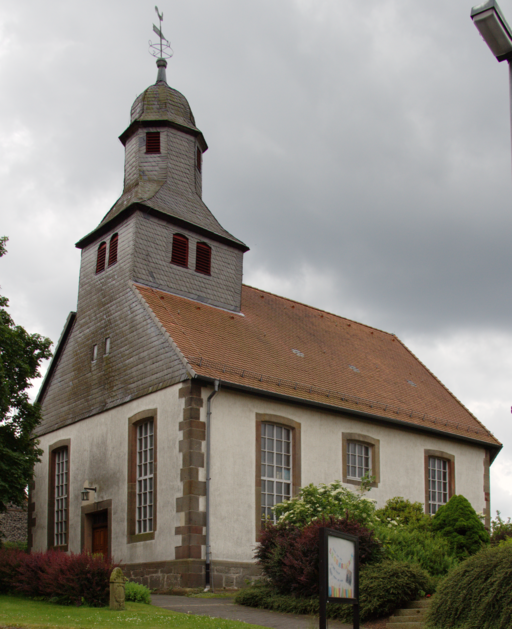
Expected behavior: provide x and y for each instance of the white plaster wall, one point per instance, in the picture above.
(233, 515)
(99, 455)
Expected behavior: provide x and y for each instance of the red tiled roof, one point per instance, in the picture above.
(285, 347)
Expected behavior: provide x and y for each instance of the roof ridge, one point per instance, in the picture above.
(445, 388)
(332, 314)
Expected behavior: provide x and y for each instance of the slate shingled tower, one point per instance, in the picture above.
(161, 200)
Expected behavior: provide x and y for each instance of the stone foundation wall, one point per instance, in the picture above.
(13, 524)
(165, 576)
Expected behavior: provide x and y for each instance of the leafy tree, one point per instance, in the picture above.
(459, 523)
(21, 354)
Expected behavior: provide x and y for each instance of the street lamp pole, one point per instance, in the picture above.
(497, 34)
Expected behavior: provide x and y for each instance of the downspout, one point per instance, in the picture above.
(208, 444)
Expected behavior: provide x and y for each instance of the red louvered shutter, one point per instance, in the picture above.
(203, 258)
(153, 142)
(112, 252)
(179, 250)
(102, 255)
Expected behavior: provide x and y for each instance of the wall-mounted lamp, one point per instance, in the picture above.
(85, 492)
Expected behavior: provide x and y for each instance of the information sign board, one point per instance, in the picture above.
(339, 572)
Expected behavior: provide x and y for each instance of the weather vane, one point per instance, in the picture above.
(163, 49)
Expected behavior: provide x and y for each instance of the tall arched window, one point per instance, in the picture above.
(102, 256)
(179, 250)
(112, 252)
(199, 159)
(203, 258)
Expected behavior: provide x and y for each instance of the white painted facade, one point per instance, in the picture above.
(99, 457)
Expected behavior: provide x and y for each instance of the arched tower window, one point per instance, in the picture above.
(102, 255)
(179, 250)
(153, 142)
(203, 258)
(199, 159)
(112, 252)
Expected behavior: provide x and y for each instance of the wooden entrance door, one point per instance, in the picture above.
(100, 540)
(99, 522)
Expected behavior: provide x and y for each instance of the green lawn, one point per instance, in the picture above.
(22, 612)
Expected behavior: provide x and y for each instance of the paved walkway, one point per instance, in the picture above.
(226, 608)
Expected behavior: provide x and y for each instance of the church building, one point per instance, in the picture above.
(181, 405)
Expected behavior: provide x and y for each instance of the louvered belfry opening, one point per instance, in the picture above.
(199, 159)
(102, 255)
(153, 142)
(179, 250)
(112, 252)
(203, 258)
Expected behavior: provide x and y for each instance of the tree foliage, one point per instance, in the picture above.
(21, 354)
(459, 523)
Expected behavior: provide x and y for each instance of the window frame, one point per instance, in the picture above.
(175, 253)
(296, 468)
(113, 246)
(133, 424)
(450, 460)
(270, 432)
(204, 247)
(53, 451)
(151, 141)
(374, 448)
(101, 257)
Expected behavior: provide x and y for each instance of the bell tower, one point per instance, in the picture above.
(174, 243)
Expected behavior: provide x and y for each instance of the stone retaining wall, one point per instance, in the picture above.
(13, 524)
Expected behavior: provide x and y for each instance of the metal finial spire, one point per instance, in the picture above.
(161, 50)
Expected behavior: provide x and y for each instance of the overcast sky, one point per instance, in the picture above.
(360, 149)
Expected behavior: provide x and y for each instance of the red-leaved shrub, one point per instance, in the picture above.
(63, 578)
(289, 555)
(9, 562)
(28, 579)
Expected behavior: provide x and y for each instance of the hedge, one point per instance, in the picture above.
(67, 579)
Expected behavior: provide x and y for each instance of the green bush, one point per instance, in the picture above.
(388, 586)
(500, 530)
(383, 588)
(430, 551)
(399, 511)
(458, 522)
(137, 593)
(477, 594)
(320, 501)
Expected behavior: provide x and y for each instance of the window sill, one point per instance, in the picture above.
(141, 537)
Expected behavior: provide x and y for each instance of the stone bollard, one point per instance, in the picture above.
(117, 594)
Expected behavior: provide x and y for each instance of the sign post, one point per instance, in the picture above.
(339, 572)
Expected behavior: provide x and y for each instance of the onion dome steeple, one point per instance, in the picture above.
(163, 157)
